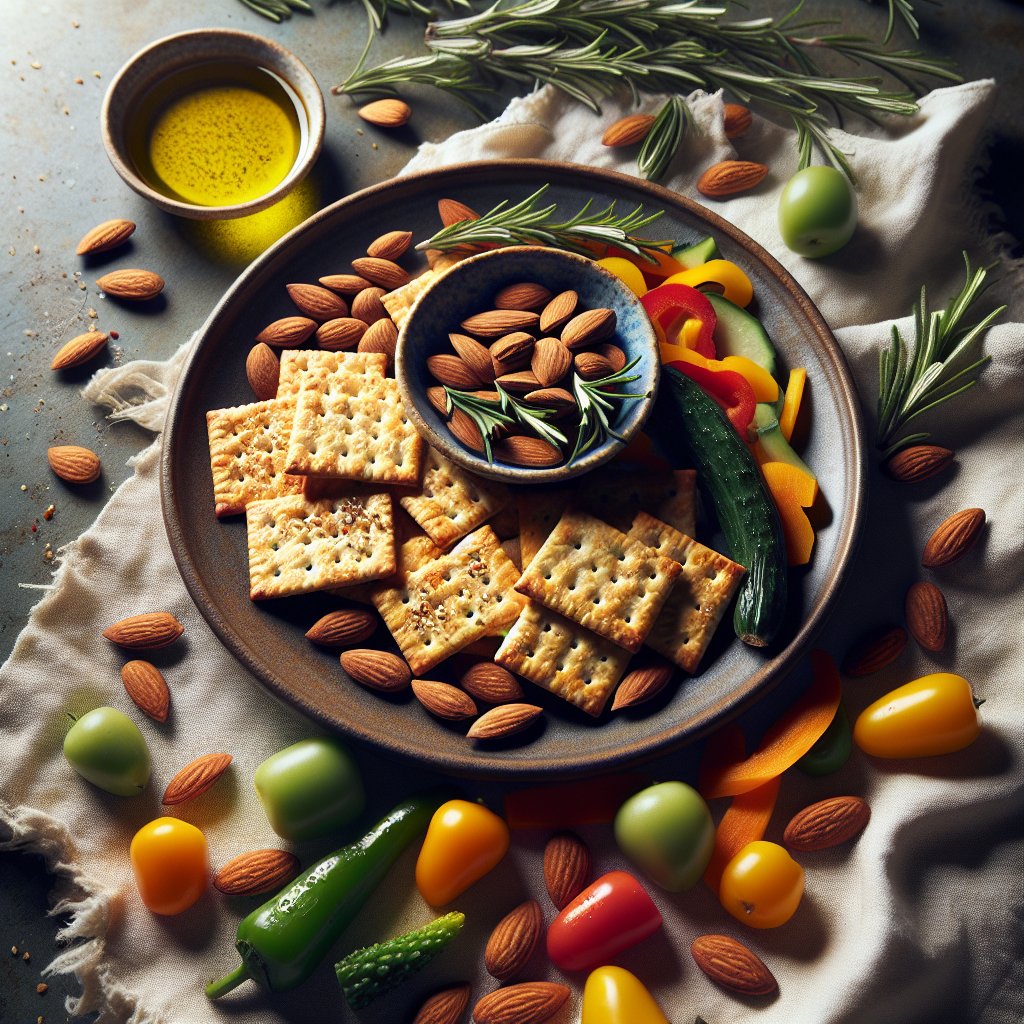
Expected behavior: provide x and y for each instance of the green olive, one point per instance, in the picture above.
(105, 747)
(817, 211)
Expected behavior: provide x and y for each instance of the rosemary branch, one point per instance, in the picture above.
(597, 405)
(376, 10)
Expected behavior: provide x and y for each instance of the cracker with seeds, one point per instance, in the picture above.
(452, 502)
(354, 426)
(298, 546)
(699, 598)
(248, 453)
(600, 578)
(565, 658)
(410, 554)
(451, 601)
(300, 365)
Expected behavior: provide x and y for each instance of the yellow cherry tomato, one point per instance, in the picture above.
(463, 842)
(762, 885)
(170, 864)
(736, 286)
(628, 273)
(935, 714)
(614, 996)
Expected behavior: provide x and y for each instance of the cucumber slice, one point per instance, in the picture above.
(740, 334)
(691, 256)
(774, 443)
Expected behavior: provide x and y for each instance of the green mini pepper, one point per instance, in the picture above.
(833, 748)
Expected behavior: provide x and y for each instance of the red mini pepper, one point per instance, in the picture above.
(729, 389)
(671, 305)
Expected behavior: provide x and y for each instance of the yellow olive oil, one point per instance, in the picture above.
(217, 134)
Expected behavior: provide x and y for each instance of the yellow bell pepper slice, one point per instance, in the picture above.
(735, 284)
(690, 332)
(628, 273)
(793, 491)
(761, 381)
(791, 403)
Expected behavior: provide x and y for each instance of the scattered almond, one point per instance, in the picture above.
(474, 355)
(927, 616)
(381, 336)
(343, 628)
(642, 684)
(512, 351)
(146, 632)
(875, 650)
(497, 322)
(730, 964)
(531, 1002)
(444, 700)
(263, 371)
(131, 285)
(104, 237)
(558, 311)
(522, 295)
(79, 350)
(455, 372)
(383, 273)
(451, 211)
(146, 686)
(827, 823)
(378, 670)
(953, 538)
(366, 305)
(288, 332)
(390, 246)
(729, 177)
(503, 721)
(738, 120)
(317, 302)
(386, 113)
(521, 450)
(588, 328)
(195, 778)
(256, 871)
(345, 284)
(919, 462)
(514, 940)
(444, 1007)
(567, 868)
(627, 131)
(550, 361)
(615, 356)
(491, 683)
(465, 430)
(591, 366)
(73, 463)
(340, 334)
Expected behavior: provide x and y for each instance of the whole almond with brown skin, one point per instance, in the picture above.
(438, 399)
(919, 462)
(531, 1002)
(465, 430)
(390, 246)
(255, 872)
(591, 366)
(567, 868)
(386, 113)
(730, 177)
(451, 211)
(558, 311)
(383, 273)
(503, 720)
(532, 452)
(521, 382)
(873, 651)
(588, 328)
(340, 334)
(827, 823)
(642, 684)
(345, 284)
(147, 632)
(491, 683)
(444, 700)
(474, 355)
(263, 371)
(195, 778)
(343, 628)
(738, 120)
(381, 336)
(627, 131)
(104, 237)
(927, 615)
(558, 399)
(317, 302)
(73, 463)
(131, 285)
(953, 538)
(514, 940)
(79, 349)
(512, 352)
(366, 305)
(522, 295)
(379, 670)
(444, 1007)
(146, 686)
(615, 356)
(288, 332)
(495, 323)
(730, 964)
(550, 361)
(454, 372)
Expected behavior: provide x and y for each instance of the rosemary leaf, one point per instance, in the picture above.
(664, 138)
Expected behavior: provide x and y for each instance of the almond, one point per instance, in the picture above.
(512, 352)
(466, 431)
(531, 1002)
(919, 462)
(340, 334)
(588, 328)
(345, 284)
(521, 382)
(146, 632)
(73, 463)
(503, 721)
(567, 867)
(615, 356)
(263, 371)
(642, 684)
(343, 628)
(255, 872)
(730, 964)
(533, 452)
(550, 361)
(953, 538)
(491, 683)
(438, 399)
(288, 332)
(444, 1007)
(131, 285)
(737, 120)
(522, 295)
(514, 940)
(553, 398)
(366, 305)
(195, 778)
(875, 650)
(927, 616)
(390, 246)
(79, 350)
(317, 302)
(104, 237)
(475, 356)
(454, 372)
(627, 131)
(558, 311)
(729, 177)
(497, 322)
(386, 113)
(444, 700)
(377, 669)
(381, 336)
(591, 366)
(451, 211)
(383, 273)
(146, 686)
(827, 823)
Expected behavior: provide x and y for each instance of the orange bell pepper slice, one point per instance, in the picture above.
(627, 272)
(745, 821)
(791, 403)
(793, 491)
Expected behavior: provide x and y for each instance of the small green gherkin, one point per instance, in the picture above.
(368, 973)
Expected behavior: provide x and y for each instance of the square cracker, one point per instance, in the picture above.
(565, 658)
(600, 578)
(699, 598)
(297, 546)
(299, 365)
(248, 451)
(451, 601)
(452, 502)
(354, 426)
(410, 555)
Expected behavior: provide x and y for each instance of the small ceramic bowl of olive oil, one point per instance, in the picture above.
(213, 124)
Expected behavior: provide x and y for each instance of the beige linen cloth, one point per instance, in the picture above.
(919, 922)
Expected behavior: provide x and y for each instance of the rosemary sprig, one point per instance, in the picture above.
(526, 223)
(597, 407)
(664, 139)
(911, 382)
(376, 10)
(277, 10)
(487, 415)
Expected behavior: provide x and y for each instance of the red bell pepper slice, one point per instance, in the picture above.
(671, 305)
(730, 390)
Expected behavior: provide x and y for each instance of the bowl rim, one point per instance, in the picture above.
(508, 472)
(315, 113)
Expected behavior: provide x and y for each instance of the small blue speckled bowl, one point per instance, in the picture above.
(469, 288)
